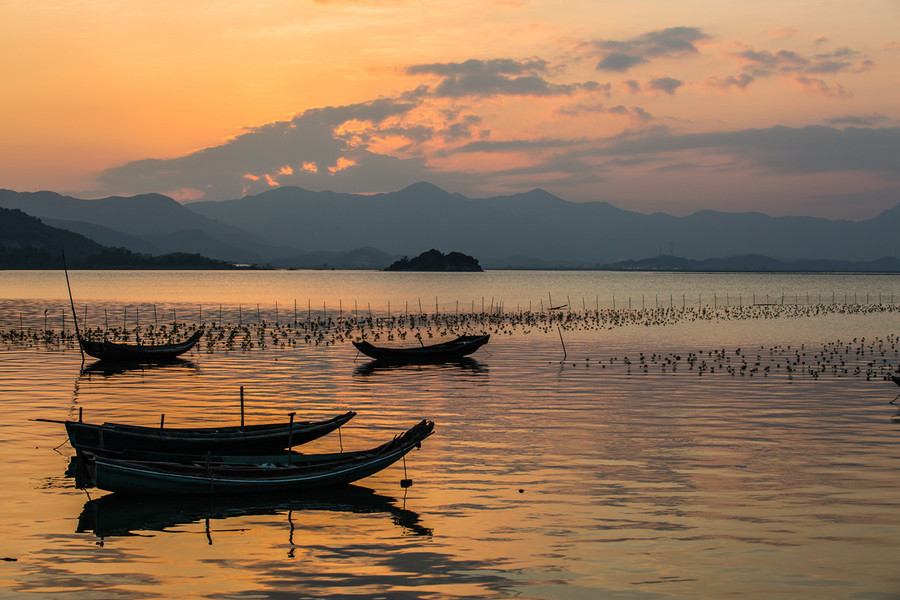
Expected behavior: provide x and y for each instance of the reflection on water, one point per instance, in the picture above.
(654, 463)
(464, 364)
(115, 515)
(106, 368)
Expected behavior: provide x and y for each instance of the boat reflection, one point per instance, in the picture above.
(120, 515)
(107, 368)
(375, 366)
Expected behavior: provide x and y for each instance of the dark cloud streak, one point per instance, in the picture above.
(622, 55)
(813, 149)
(496, 77)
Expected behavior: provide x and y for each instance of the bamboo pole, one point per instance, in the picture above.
(72, 303)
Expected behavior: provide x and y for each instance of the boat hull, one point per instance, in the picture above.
(252, 439)
(138, 477)
(452, 350)
(111, 351)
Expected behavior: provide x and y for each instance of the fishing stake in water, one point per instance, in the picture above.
(406, 481)
(290, 436)
(72, 303)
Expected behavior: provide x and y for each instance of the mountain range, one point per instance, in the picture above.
(294, 227)
(28, 243)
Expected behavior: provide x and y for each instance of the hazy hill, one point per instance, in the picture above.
(360, 258)
(145, 223)
(755, 263)
(27, 243)
(293, 227)
(105, 236)
(536, 226)
(408, 221)
(22, 234)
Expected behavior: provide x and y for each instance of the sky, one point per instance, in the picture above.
(786, 108)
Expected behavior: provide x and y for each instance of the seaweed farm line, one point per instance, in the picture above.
(871, 358)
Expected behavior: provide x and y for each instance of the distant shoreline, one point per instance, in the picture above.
(516, 269)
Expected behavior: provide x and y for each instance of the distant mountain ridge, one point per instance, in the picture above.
(543, 228)
(756, 263)
(294, 227)
(147, 222)
(27, 243)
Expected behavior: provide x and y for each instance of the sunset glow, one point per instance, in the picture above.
(781, 108)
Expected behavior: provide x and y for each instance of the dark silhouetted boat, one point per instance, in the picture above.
(249, 439)
(286, 473)
(452, 350)
(112, 351)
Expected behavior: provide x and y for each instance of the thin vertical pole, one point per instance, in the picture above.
(290, 436)
(72, 303)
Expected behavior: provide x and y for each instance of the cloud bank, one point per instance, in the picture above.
(483, 126)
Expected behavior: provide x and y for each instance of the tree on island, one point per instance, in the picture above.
(434, 260)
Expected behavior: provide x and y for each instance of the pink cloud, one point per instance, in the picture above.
(821, 87)
(783, 32)
(730, 82)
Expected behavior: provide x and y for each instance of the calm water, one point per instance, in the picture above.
(624, 472)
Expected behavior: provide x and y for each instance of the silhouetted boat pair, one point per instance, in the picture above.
(242, 475)
(244, 459)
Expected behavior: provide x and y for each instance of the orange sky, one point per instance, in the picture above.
(785, 108)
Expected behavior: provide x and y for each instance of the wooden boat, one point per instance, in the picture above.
(292, 473)
(249, 439)
(453, 349)
(111, 351)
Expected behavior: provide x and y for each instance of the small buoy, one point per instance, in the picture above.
(405, 483)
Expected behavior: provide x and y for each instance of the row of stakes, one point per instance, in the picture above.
(873, 359)
(339, 328)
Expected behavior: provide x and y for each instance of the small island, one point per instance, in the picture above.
(434, 260)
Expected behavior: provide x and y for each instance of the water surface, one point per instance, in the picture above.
(624, 471)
